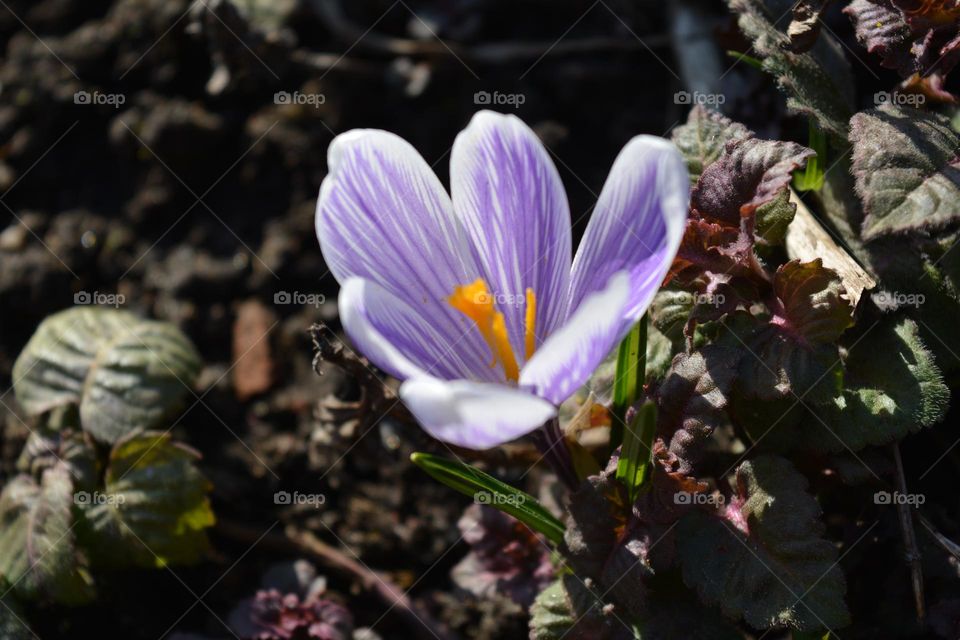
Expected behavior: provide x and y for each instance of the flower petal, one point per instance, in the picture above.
(510, 198)
(637, 224)
(383, 215)
(474, 415)
(569, 356)
(398, 339)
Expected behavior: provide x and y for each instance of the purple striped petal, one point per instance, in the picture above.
(569, 356)
(637, 224)
(400, 340)
(508, 194)
(474, 415)
(383, 215)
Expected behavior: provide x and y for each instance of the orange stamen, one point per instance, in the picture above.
(530, 323)
(474, 301)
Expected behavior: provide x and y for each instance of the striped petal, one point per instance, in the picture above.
(636, 226)
(401, 340)
(509, 196)
(569, 356)
(383, 216)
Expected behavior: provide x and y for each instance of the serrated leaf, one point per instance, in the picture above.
(818, 83)
(38, 553)
(813, 301)
(918, 39)
(124, 373)
(893, 388)
(693, 397)
(765, 561)
(749, 174)
(569, 610)
(472, 482)
(597, 546)
(154, 508)
(774, 217)
(907, 170)
(882, 30)
(777, 365)
(702, 139)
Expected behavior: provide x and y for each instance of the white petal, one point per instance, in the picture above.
(474, 415)
(569, 356)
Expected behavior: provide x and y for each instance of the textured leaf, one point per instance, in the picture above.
(883, 31)
(750, 173)
(777, 364)
(154, 509)
(74, 449)
(765, 561)
(570, 610)
(693, 397)
(472, 482)
(595, 546)
(907, 170)
(893, 388)
(38, 554)
(505, 557)
(919, 40)
(702, 139)
(123, 372)
(818, 83)
(774, 217)
(813, 301)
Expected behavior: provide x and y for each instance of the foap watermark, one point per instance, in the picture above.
(897, 299)
(115, 100)
(495, 499)
(100, 299)
(485, 98)
(310, 99)
(500, 299)
(899, 99)
(708, 299)
(687, 497)
(87, 499)
(286, 498)
(696, 97)
(897, 498)
(296, 297)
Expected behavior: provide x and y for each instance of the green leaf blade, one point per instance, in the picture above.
(472, 482)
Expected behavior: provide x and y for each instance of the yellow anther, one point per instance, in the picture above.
(530, 323)
(475, 301)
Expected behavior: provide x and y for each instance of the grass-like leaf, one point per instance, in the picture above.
(486, 489)
(633, 466)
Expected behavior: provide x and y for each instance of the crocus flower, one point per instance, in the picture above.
(473, 301)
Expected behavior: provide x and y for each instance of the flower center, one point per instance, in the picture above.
(475, 301)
